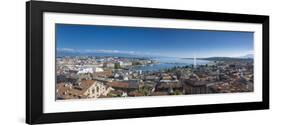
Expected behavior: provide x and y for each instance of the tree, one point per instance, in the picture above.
(136, 63)
(117, 66)
(177, 92)
(144, 90)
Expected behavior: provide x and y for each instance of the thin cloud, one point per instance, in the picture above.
(103, 51)
(66, 50)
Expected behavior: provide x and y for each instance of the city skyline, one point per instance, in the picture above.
(183, 43)
(94, 62)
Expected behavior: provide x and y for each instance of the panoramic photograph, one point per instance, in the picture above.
(96, 61)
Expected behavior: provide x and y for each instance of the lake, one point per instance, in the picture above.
(167, 63)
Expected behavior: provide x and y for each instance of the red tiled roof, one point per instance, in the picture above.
(119, 84)
(76, 91)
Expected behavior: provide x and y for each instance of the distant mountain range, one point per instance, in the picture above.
(248, 56)
(224, 59)
(71, 53)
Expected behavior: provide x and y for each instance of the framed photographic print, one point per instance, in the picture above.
(95, 62)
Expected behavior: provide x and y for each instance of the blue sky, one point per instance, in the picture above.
(182, 43)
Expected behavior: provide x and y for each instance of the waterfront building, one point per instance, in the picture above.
(85, 70)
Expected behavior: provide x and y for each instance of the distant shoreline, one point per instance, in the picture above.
(221, 58)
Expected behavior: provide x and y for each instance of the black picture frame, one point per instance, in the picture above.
(34, 61)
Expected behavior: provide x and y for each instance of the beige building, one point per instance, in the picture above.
(84, 89)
